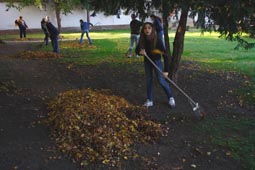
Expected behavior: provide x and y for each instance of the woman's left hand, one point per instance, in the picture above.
(165, 74)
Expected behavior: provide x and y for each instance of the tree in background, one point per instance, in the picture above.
(60, 6)
(232, 17)
(145, 8)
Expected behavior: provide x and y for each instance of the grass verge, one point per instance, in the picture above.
(235, 134)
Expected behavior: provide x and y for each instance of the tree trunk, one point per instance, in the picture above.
(166, 10)
(88, 16)
(57, 9)
(178, 44)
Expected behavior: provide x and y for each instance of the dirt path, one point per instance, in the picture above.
(25, 144)
(27, 85)
(15, 47)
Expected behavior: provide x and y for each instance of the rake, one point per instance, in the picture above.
(197, 109)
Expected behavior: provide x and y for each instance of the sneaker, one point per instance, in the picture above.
(129, 55)
(171, 102)
(148, 103)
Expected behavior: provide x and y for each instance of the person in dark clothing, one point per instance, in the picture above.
(54, 35)
(22, 26)
(149, 45)
(85, 29)
(45, 31)
(135, 26)
(158, 24)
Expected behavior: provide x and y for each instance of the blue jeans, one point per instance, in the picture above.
(149, 79)
(54, 43)
(87, 34)
(134, 38)
(22, 32)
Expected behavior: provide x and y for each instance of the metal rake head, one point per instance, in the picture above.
(198, 110)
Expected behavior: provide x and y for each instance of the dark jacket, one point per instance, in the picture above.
(44, 27)
(22, 24)
(149, 50)
(52, 29)
(135, 26)
(158, 25)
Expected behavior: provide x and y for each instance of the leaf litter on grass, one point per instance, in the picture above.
(76, 45)
(38, 54)
(94, 127)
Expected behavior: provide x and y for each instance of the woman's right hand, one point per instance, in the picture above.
(142, 52)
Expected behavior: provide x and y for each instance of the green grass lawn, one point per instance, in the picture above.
(236, 135)
(217, 53)
(207, 50)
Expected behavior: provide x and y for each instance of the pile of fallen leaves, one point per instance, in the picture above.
(38, 54)
(75, 44)
(94, 127)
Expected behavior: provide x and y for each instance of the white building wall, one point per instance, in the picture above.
(33, 16)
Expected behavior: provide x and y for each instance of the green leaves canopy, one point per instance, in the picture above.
(66, 6)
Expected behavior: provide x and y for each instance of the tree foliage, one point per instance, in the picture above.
(60, 6)
(66, 6)
(232, 17)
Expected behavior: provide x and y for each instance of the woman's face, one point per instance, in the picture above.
(147, 29)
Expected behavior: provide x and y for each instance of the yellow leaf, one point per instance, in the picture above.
(106, 161)
(228, 153)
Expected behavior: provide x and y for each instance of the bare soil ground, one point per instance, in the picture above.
(28, 84)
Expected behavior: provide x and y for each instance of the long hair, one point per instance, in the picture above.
(151, 39)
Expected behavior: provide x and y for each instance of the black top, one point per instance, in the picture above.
(44, 27)
(155, 56)
(135, 26)
(21, 23)
(52, 29)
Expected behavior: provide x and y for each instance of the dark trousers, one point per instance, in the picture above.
(54, 43)
(46, 38)
(22, 32)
